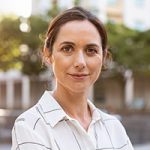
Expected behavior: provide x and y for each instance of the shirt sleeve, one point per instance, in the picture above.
(25, 138)
(130, 147)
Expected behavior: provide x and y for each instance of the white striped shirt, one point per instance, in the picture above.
(47, 127)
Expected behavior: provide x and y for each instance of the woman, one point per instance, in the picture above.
(64, 119)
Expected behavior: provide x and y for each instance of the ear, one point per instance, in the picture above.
(105, 54)
(48, 60)
(107, 58)
(47, 56)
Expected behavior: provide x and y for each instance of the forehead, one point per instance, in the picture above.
(78, 28)
(79, 25)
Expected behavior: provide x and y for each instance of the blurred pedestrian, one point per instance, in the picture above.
(64, 119)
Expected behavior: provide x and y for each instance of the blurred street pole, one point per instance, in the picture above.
(129, 87)
(9, 93)
(25, 92)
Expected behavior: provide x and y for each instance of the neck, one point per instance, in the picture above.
(75, 105)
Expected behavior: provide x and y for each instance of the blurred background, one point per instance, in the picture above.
(122, 90)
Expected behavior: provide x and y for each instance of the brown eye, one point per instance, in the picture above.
(91, 51)
(67, 49)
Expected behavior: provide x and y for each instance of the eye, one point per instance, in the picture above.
(67, 49)
(91, 51)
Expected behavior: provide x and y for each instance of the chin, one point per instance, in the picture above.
(75, 87)
(79, 89)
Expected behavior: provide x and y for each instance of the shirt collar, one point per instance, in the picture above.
(95, 112)
(50, 109)
(53, 112)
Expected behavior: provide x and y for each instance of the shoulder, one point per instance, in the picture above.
(29, 131)
(112, 122)
(107, 117)
(28, 118)
(115, 130)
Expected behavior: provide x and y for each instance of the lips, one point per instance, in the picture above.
(77, 76)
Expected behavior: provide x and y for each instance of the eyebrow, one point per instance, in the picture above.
(66, 42)
(71, 43)
(93, 44)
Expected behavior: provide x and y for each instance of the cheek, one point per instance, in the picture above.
(96, 64)
(56, 66)
(59, 65)
(97, 71)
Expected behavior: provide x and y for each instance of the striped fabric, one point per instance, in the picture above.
(47, 127)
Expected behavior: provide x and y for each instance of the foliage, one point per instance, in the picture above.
(54, 10)
(9, 41)
(77, 2)
(130, 48)
(12, 38)
(31, 61)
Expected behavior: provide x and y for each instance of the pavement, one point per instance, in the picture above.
(142, 147)
(5, 146)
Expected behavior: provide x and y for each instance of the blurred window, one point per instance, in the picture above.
(139, 3)
(112, 2)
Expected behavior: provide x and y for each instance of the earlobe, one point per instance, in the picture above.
(48, 60)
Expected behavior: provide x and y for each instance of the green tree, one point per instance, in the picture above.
(12, 39)
(32, 64)
(31, 61)
(54, 10)
(130, 48)
(9, 42)
(77, 2)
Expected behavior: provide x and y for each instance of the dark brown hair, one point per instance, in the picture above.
(75, 13)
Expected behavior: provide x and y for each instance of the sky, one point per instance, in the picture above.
(18, 7)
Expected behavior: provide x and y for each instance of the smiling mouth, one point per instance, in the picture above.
(78, 76)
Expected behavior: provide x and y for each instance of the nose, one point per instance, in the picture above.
(80, 60)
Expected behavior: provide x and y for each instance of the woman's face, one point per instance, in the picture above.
(77, 56)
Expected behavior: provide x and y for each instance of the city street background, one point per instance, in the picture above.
(122, 90)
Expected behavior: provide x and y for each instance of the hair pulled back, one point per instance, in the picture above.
(75, 13)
